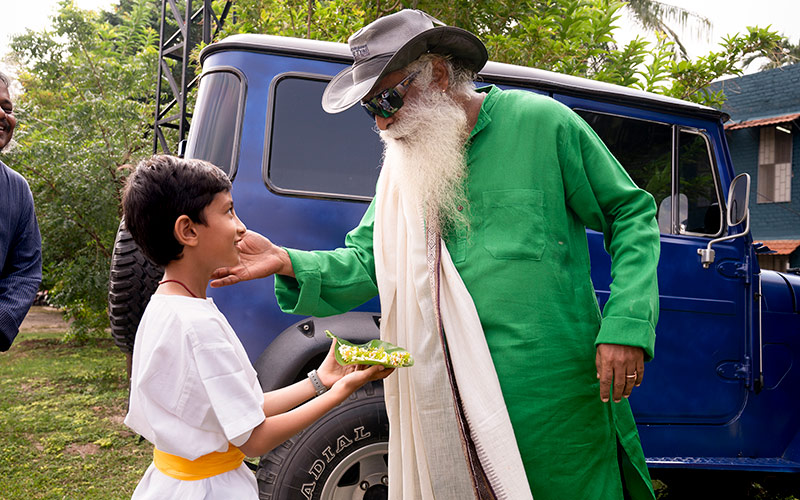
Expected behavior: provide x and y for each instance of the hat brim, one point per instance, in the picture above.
(343, 91)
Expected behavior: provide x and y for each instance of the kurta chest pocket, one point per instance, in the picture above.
(514, 223)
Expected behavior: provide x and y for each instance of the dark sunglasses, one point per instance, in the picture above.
(389, 101)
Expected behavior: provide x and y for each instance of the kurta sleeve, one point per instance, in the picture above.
(331, 282)
(605, 199)
(21, 270)
(229, 391)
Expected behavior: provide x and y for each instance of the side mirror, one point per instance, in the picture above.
(738, 213)
(739, 200)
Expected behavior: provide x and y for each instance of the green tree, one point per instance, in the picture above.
(784, 53)
(85, 113)
(574, 37)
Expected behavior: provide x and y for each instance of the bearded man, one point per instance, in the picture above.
(476, 243)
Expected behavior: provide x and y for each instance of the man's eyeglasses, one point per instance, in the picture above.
(389, 101)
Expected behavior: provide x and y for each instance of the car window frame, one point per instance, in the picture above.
(721, 202)
(238, 126)
(675, 130)
(268, 129)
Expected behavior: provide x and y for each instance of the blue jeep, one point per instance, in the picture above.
(722, 392)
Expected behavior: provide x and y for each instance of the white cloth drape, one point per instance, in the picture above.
(426, 451)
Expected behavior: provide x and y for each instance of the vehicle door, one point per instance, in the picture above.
(698, 375)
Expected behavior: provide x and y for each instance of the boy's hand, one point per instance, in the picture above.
(360, 375)
(330, 372)
(258, 258)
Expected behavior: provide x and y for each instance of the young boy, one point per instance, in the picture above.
(194, 393)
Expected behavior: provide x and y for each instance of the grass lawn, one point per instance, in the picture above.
(61, 430)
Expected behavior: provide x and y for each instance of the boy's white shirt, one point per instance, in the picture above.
(193, 390)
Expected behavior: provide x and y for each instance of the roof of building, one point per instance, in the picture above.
(763, 95)
(762, 121)
(782, 247)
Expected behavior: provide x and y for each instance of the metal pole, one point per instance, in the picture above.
(156, 125)
(187, 46)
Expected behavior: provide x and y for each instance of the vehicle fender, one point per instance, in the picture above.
(303, 345)
(793, 282)
(777, 292)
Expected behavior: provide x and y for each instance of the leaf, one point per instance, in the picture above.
(376, 348)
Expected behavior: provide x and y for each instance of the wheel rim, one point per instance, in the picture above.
(362, 475)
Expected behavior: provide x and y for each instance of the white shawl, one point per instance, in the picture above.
(427, 458)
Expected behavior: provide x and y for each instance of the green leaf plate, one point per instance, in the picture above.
(374, 352)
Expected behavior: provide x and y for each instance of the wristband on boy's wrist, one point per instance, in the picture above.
(319, 387)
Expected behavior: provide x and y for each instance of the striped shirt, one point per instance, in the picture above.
(20, 253)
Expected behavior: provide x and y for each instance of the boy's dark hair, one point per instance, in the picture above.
(161, 189)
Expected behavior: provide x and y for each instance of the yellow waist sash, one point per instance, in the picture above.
(203, 467)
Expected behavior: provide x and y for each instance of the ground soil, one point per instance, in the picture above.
(43, 318)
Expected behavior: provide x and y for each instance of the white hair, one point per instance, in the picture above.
(461, 81)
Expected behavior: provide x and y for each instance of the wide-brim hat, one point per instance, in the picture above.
(393, 42)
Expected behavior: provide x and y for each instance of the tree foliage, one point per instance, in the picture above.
(574, 37)
(85, 113)
(90, 92)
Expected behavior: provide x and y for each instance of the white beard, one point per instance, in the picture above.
(426, 143)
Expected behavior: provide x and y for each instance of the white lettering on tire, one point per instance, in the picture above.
(318, 467)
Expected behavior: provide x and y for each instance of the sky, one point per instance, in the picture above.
(18, 15)
(727, 16)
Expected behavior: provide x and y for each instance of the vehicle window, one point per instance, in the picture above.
(214, 134)
(701, 212)
(644, 149)
(312, 153)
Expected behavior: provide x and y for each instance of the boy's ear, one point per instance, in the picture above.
(185, 231)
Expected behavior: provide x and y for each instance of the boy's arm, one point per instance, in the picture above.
(276, 429)
(286, 398)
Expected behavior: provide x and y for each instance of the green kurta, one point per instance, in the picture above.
(538, 176)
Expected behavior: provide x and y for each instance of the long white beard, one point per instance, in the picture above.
(426, 143)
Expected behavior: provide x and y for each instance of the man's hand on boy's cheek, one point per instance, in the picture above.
(258, 258)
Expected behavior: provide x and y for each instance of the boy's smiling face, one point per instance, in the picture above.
(219, 236)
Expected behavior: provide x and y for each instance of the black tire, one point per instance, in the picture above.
(133, 279)
(342, 455)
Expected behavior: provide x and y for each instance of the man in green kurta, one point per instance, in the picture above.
(530, 178)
